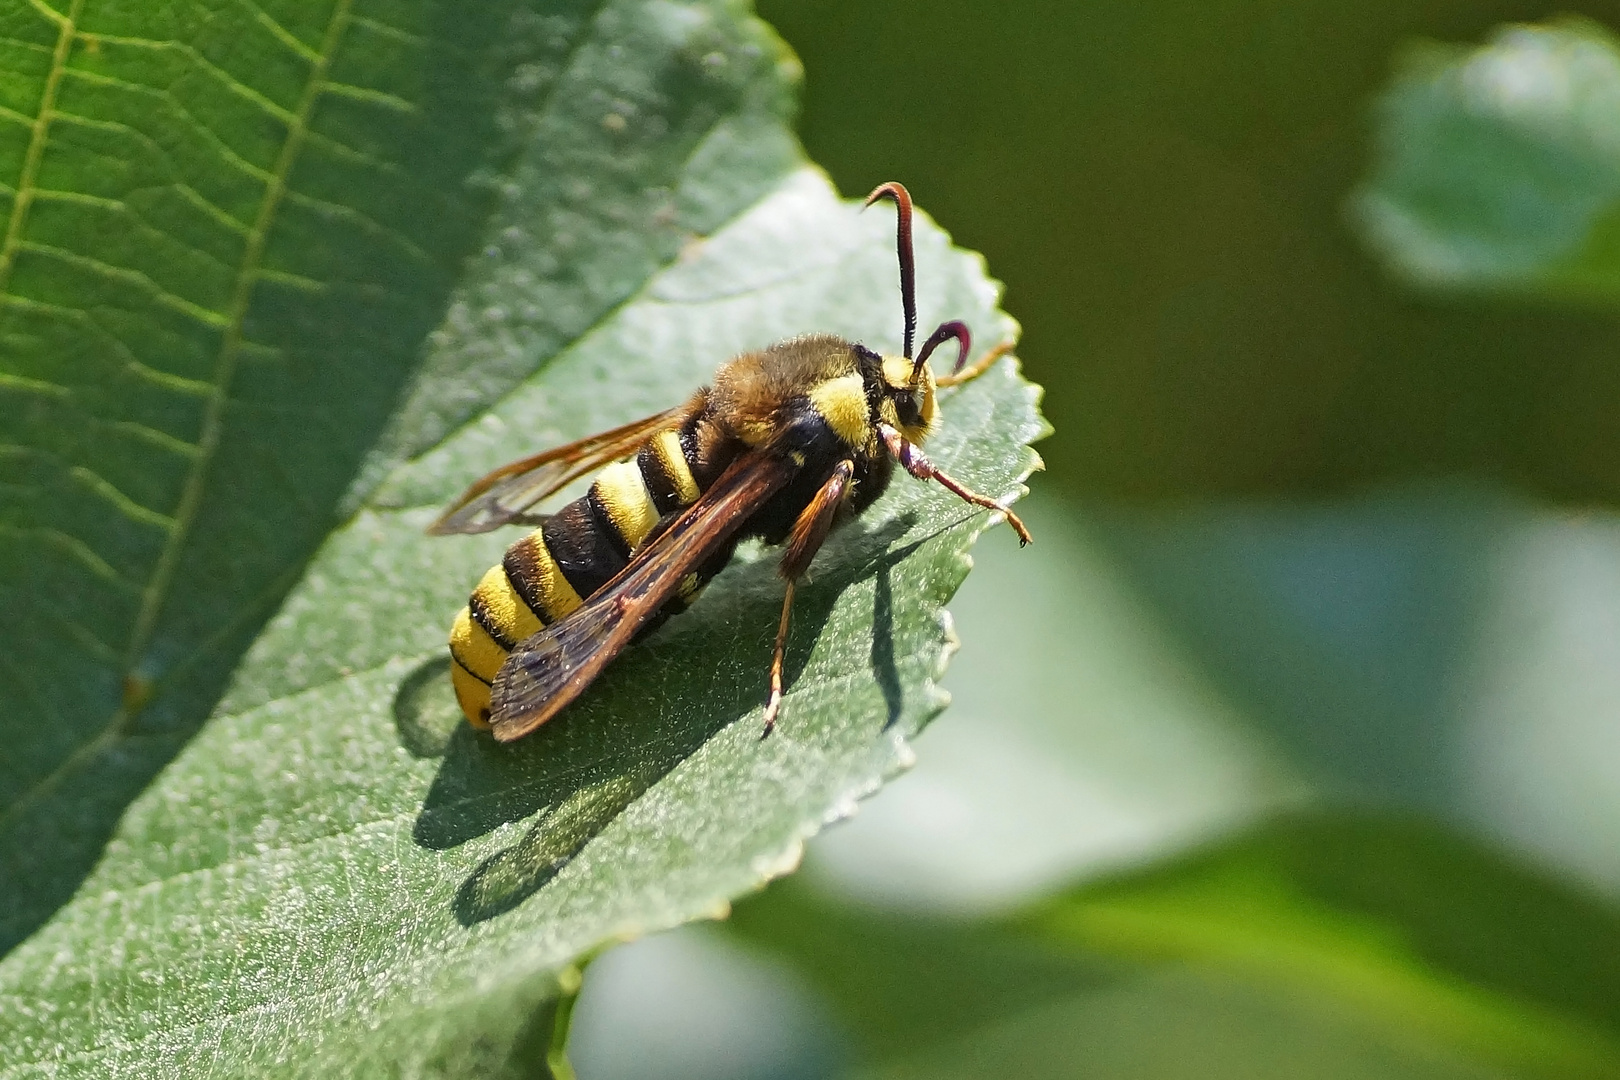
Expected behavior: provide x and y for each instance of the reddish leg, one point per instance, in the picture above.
(918, 465)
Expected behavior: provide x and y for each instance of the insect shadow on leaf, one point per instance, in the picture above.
(888, 676)
(425, 709)
(582, 771)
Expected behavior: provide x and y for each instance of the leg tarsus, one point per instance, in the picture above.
(915, 462)
(774, 706)
(971, 496)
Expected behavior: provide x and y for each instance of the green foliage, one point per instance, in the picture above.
(246, 414)
(1499, 166)
(298, 195)
(1400, 921)
(1320, 946)
(278, 279)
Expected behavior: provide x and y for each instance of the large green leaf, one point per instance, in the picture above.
(336, 874)
(1499, 166)
(229, 232)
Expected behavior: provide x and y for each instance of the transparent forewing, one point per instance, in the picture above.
(508, 492)
(553, 667)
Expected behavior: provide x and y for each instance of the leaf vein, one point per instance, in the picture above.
(160, 439)
(186, 190)
(232, 340)
(26, 385)
(133, 364)
(85, 638)
(382, 98)
(349, 153)
(121, 207)
(224, 149)
(222, 76)
(130, 508)
(36, 140)
(293, 281)
(127, 276)
(281, 33)
(214, 211)
(75, 547)
(31, 46)
(365, 222)
(50, 13)
(382, 29)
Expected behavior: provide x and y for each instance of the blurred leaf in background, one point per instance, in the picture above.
(1315, 947)
(1499, 167)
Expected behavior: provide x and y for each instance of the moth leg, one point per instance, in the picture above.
(913, 460)
(977, 368)
(811, 528)
(774, 706)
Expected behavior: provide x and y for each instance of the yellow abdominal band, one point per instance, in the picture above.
(474, 660)
(622, 493)
(495, 620)
(667, 446)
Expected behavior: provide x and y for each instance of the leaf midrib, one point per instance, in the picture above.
(40, 134)
(213, 426)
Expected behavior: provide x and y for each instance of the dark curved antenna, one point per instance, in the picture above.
(946, 331)
(908, 266)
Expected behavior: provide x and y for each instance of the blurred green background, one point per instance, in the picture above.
(1293, 747)
(1162, 186)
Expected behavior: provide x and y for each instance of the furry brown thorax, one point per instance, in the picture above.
(847, 385)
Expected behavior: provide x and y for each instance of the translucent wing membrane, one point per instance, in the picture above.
(553, 667)
(507, 493)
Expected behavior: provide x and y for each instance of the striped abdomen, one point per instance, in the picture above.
(550, 572)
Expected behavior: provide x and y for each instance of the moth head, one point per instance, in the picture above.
(908, 392)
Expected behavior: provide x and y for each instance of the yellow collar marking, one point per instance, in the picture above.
(842, 403)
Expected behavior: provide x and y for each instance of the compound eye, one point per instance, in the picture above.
(905, 406)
